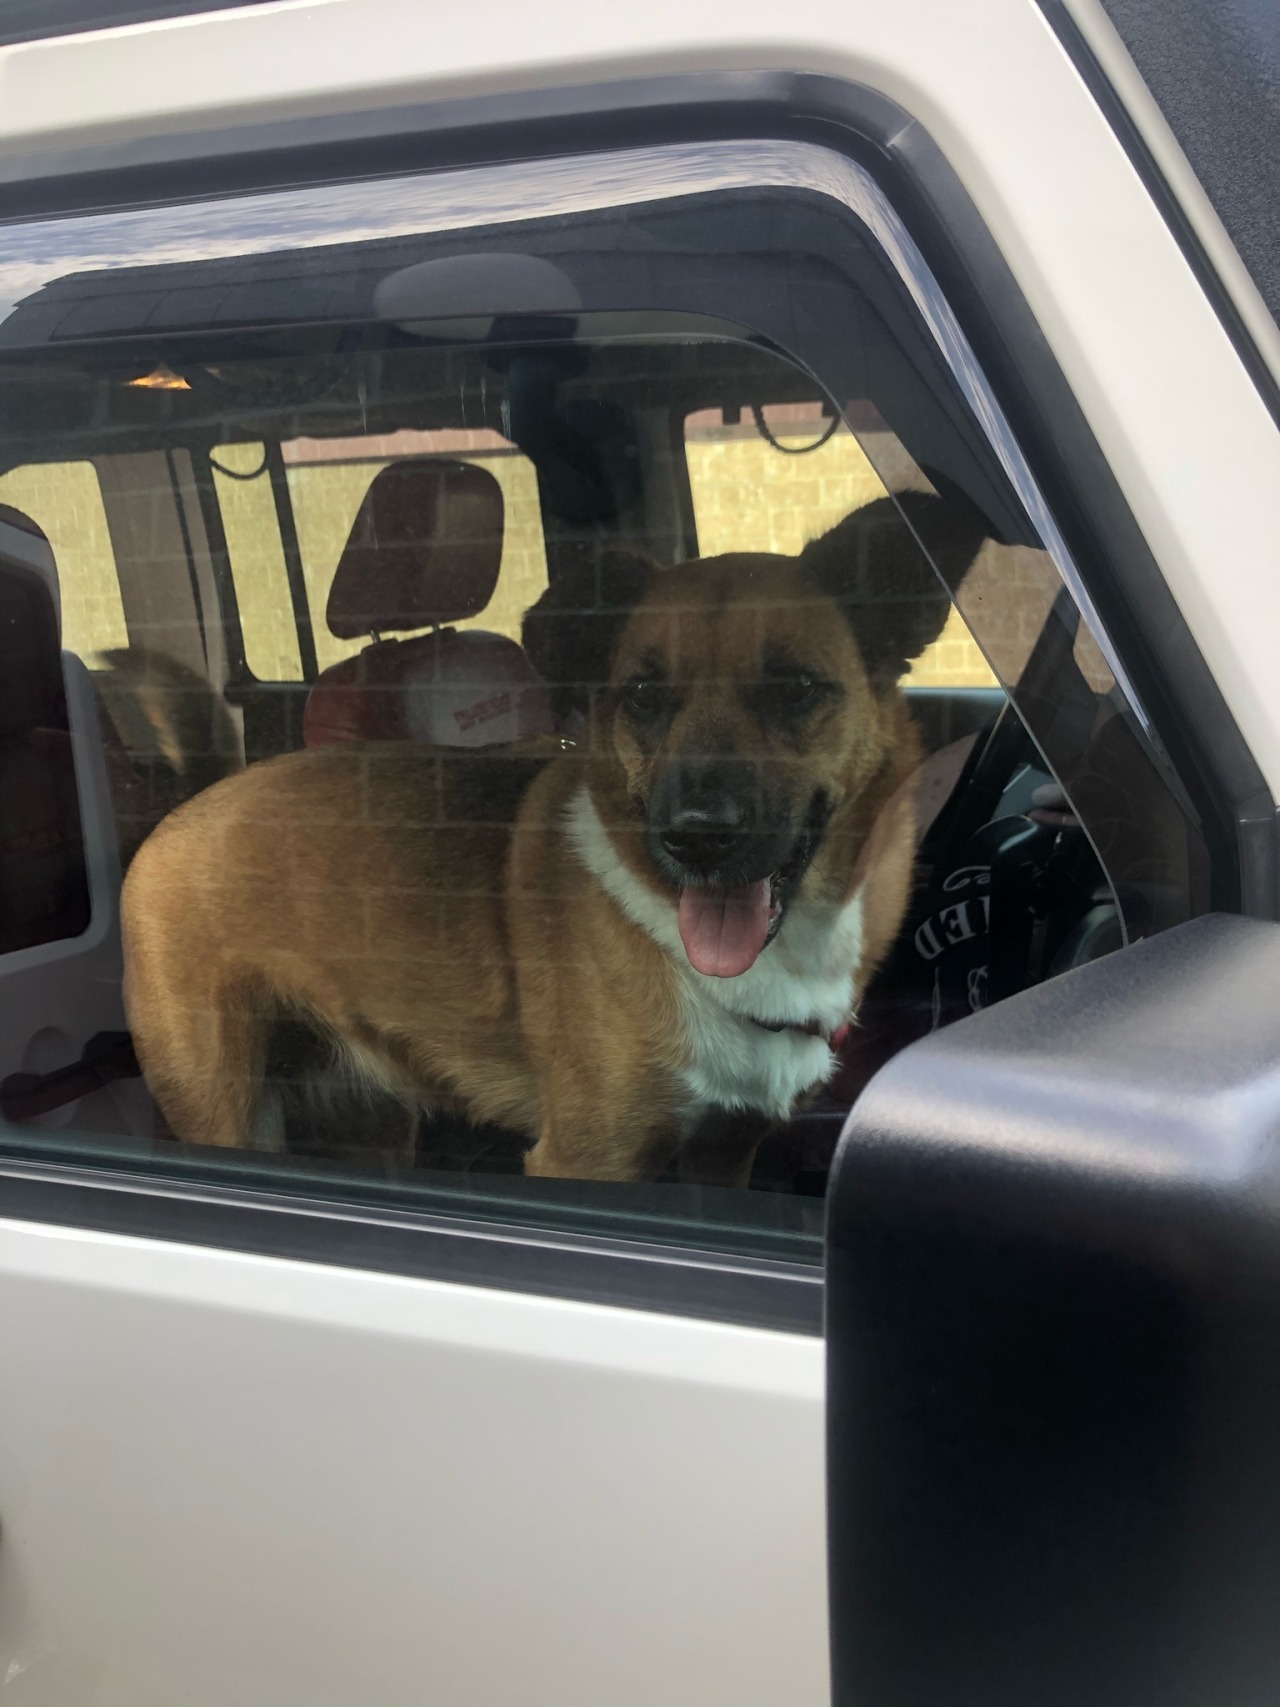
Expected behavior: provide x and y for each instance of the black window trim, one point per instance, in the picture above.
(42, 20)
(1133, 602)
(671, 1280)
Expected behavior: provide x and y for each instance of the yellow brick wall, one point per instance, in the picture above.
(65, 501)
(751, 497)
(747, 497)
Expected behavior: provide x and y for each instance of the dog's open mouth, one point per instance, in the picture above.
(725, 927)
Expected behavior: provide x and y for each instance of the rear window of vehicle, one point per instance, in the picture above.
(325, 483)
(748, 495)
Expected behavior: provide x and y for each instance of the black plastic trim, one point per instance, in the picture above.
(38, 20)
(1132, 598)
(662, 1278)
(1053, 1329)
(1161, 192)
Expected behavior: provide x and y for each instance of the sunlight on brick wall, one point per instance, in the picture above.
(748, 496)
(953, 661)
(64, 500)
(257, 563)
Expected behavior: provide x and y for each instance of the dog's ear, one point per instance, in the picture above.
(571, 633)
(872, 565)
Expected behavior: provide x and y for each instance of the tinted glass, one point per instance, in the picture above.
(537, 765)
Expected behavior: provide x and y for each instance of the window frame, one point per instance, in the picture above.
(39, 20)
(915, 175)
(1009, 370)
(630, 1274)
(1126, 61)
(142, 247)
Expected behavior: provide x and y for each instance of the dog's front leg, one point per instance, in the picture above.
(600, 1147)
(721, 1149)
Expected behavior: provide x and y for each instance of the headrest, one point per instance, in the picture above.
(21, 541)
(425, 548)
(31, 691)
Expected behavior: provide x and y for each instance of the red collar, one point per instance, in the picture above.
(808, 1027)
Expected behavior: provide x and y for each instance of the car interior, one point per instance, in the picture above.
(254, 542)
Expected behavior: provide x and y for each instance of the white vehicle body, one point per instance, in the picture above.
(228, 1477)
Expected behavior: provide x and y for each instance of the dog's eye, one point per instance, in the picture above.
(796, 690)
(643, 697)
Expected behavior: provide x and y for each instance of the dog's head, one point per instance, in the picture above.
(739, 704)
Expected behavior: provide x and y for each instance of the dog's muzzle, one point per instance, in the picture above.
(710, 823)
(734, 858)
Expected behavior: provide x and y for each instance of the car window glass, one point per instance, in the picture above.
(64, 499)
(255, 556)
(552, 759)
(326, 482)
(752, 491)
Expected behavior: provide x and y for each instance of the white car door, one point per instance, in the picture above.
(319, 1426)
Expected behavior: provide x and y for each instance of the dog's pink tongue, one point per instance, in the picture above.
(723, 930)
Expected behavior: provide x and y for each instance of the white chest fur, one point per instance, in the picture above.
(806, 974)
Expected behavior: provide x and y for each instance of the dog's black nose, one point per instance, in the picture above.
(704, 818)
(702, 837)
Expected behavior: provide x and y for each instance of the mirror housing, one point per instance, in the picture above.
(1053, 1306)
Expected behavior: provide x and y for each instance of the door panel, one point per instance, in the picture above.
(368, 1461)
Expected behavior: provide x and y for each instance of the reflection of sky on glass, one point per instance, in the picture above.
(400, 207)
(35, 254)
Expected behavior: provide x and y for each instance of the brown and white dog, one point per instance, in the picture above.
(595, 948)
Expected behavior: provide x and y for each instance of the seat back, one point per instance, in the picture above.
(44, 891)
(60, 960)
(425, 550)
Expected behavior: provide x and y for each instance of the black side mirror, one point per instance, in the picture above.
(1054, 1345)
